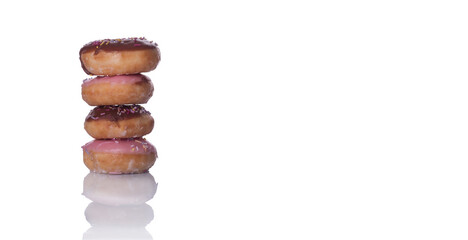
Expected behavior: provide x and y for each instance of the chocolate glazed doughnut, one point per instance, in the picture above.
(111, 57)
(119, 121)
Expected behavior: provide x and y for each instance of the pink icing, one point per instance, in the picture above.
(122, 79)
(126, 146)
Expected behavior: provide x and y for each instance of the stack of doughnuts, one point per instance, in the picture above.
(118, 123)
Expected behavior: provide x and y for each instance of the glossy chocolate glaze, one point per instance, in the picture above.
(118, 44)
(116, 113)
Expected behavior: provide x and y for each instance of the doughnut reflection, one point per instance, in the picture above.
(119, 209)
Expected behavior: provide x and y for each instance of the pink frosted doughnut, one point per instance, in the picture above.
(117, 90)
(119, 156)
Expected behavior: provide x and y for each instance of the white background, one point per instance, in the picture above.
(274, 119)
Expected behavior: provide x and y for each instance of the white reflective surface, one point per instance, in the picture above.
(119, 208)
(117, 190)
